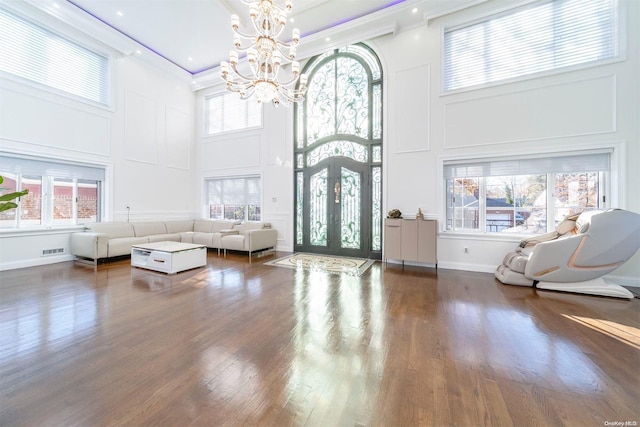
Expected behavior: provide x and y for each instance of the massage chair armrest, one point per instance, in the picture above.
(549, 257)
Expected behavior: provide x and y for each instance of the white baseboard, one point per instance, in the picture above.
(35, 262)
(415, 264)
(479, 268)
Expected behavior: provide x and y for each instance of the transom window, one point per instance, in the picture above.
(227, 112)
(546, 36)
(31, 52)
(529, 196)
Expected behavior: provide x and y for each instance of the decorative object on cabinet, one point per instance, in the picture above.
(394, 213)
(411, 240)
(420, 214)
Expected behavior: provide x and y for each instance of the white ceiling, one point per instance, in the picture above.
(196, 35)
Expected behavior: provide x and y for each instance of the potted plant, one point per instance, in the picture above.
(5, 199)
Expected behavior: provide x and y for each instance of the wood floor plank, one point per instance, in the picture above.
(239, 344)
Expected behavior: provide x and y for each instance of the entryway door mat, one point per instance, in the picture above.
(324, 263)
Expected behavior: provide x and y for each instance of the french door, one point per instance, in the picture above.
(337, 208)
(338, 155)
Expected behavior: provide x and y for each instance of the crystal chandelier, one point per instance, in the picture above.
(265, 55)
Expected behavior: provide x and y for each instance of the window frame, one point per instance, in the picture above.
(496, 13)
(207, 204)
(47, 214)
(614, 181)
(73, 39)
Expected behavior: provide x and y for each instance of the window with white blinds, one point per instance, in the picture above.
(227, 112)
(528, 195)
(236, 198)
(537, 38)
(36, 54)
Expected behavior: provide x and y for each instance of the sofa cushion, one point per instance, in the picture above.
(148, 228)
(122, 245)
(250, 225)
(179, 226)
(173, 237)
(234, 242)
(203, 239)
(203, 225)
(223, 224)
(113, 229)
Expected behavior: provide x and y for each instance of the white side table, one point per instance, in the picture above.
(168, 257)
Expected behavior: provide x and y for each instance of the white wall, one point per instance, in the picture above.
(146, 142)
(266, 151)
(591, 107)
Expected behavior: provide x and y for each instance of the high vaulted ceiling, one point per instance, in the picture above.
(196, 35)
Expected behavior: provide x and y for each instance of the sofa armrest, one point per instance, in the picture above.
(90, 245)
(260, 239)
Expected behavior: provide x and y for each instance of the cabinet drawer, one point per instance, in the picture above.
(159, 261)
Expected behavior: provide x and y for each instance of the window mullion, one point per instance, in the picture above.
(482, 205)
(74, 205)
(19, 208)
(47, 201)
(551, 205)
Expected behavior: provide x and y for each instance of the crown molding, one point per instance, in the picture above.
(78, 25)
(365, 28)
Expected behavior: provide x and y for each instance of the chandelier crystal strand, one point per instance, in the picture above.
(265, 55)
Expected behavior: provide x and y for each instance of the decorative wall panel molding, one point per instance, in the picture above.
(177, 138)
(35, 120)
(140, 134)
(242, 152)
(583, 107)
(412, 125)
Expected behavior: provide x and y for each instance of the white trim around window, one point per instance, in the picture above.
(42, 57)
(614, 185)
(504, 67)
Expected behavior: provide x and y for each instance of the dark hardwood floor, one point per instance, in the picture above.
(239, 344)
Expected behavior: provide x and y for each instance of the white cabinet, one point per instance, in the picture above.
(411, 240)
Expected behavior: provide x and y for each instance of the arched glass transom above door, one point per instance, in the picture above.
(338, 155)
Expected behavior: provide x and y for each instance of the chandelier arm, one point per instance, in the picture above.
(241, 34)
(289, 98)
(237, 73)
(290, 82)
(286, 59)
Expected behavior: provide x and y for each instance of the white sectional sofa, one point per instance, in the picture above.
(111, 239)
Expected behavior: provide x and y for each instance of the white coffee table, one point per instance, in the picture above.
(168, 257)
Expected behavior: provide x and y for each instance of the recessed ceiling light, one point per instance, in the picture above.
(291, 20)
(414, 10)
(328, 39)
(56, 5)
(138, 51)
(190, 59)
(120, 13)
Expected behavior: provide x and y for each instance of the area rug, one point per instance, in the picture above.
(324, 263)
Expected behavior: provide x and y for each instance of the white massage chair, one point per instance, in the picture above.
(575, 256)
